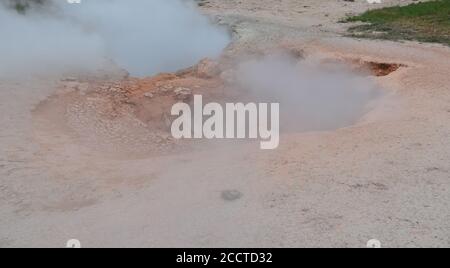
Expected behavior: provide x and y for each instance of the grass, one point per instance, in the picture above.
(22, 5)
(425, 22)
(20, 8)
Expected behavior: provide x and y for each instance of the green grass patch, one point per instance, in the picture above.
(20, 8)
(425, 22)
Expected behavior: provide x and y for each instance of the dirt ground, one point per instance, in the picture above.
(92, 159)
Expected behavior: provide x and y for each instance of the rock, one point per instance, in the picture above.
(133, 87)
(69, 79)
(231, 195)
(115, 89)
(207, 68)
(164, 88)
(186, 71)
(148, 95)
(72, 86)
(105, 87)
(122, 74)
(228, 76)
(182, 93)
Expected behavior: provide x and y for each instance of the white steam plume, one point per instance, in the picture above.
(312, 96)
(142, 36)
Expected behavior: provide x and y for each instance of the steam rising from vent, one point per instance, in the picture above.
(312, 95)
(142, 36)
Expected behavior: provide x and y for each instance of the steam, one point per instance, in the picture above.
(142, 36)
(312, 96)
